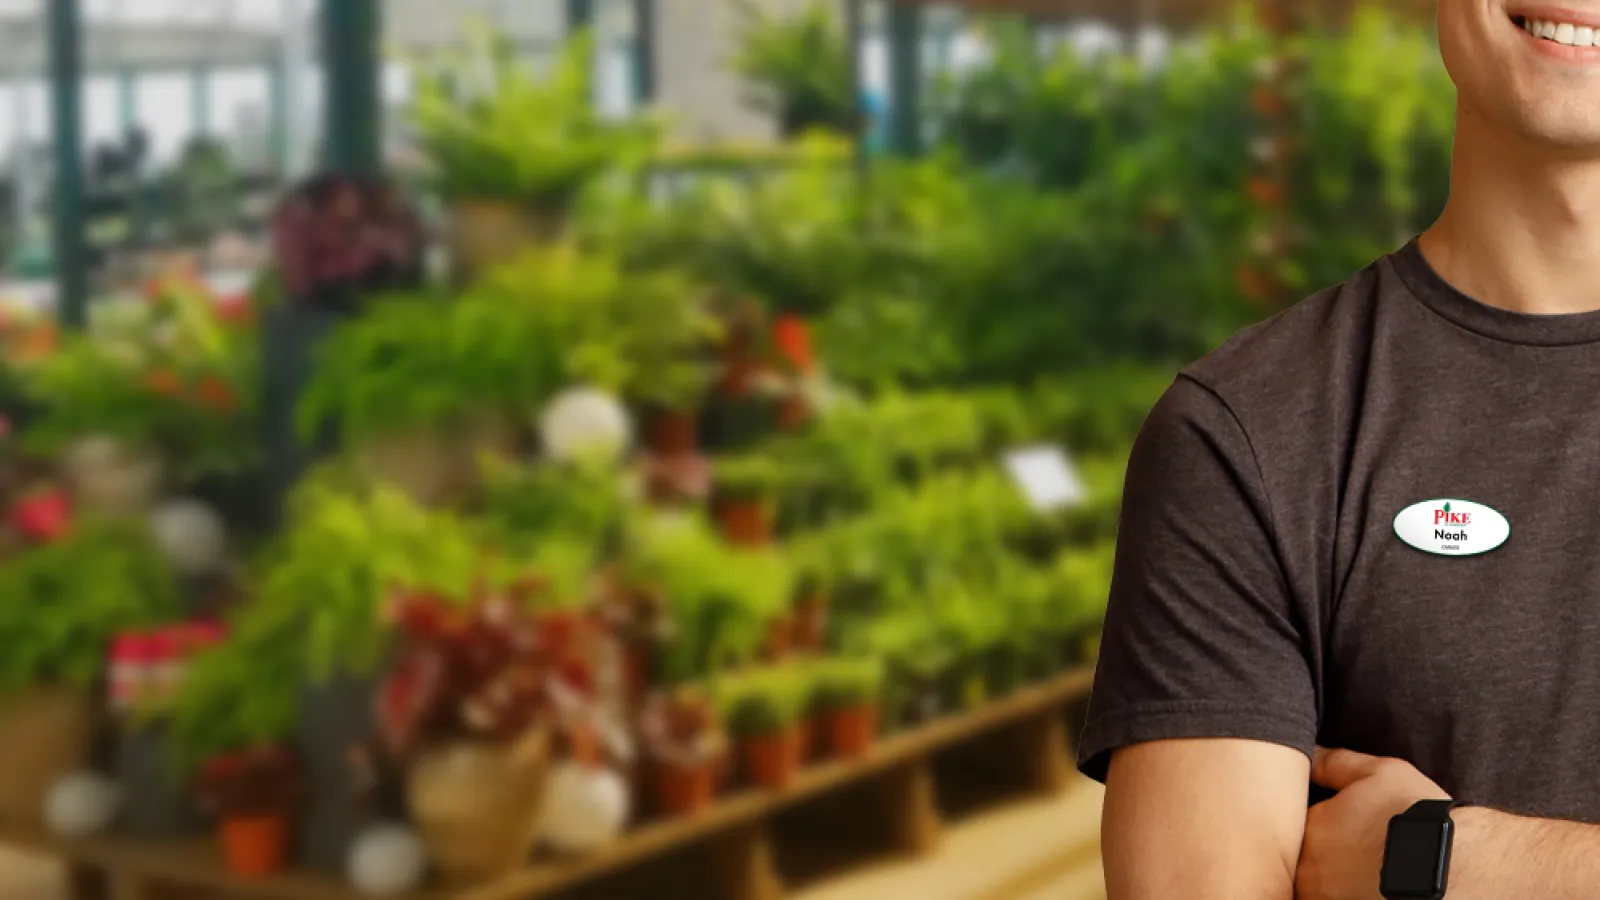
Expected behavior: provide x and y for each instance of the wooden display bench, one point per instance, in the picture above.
(898, 773)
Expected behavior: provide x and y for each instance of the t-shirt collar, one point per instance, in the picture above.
(1425, 283)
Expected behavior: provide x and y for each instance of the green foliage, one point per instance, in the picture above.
(163, 374)
(749, 475)
(721, 600)
(240, 695)
(62, 603)
(1377, 116)
(800, 68)
(493, 128)
(764, 701)
(561, 519)
(341, 556)
(845, 682)
(793, 239)
(549, 319)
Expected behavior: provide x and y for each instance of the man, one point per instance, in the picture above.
(1372, 524)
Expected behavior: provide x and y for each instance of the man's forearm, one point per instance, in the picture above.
(1498, 856)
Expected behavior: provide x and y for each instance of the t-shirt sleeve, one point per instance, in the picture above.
(1202, 638)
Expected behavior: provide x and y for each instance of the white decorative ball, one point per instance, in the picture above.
(387, 860)
(192, 535)
(584, 808)
(81, 804)
(585, 423)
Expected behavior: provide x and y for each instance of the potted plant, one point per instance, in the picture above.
(720, 600)
(684, 750)
(414, 390)
(253, 794)
(61, 603)
(847, 696)
(161, 388)
(800, 67)
(763, 709)
(147, 669)
(809, 620)
(467, 708)
(511, 150)
(323, 584)
(742, 498)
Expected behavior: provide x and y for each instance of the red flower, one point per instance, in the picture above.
(235, 310)
(793, 340)
(43, 516)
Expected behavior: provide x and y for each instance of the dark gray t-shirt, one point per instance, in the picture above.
(1261, 588)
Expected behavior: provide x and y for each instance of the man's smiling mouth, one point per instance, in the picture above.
(1565, 33)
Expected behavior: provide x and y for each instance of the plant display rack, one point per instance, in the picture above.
(735, 829)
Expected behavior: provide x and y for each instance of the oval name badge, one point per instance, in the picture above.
(1452, 527)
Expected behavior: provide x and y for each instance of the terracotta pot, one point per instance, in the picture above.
(47, 733)
(254, 846)
(780, 640)
(674, 433)
(772, 760)
(683, 790)
(477, 805)
(744, 521)
(851, 730)
(815, 744)
(810, 627)
(486, 232)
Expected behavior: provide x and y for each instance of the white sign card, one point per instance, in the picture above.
(1046, 476)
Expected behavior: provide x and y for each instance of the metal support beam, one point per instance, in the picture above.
(580, 16)
(644, 52)
(68, 209)
(905, 76)
(127, 100)
(350, 31)
(854, 37)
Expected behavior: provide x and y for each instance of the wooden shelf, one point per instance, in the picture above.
(141, 870)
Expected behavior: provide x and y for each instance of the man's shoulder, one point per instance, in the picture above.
(1302, 356)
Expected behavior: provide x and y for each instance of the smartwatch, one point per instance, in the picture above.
(1416, 856)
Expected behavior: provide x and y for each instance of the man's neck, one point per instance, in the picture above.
(1521, 229)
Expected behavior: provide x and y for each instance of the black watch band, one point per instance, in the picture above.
(1431, 810)
(1416, 855)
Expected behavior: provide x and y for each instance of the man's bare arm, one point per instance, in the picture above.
(1204, 820)
(1498, 856)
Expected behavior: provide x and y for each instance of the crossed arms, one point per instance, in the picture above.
(1227, 820)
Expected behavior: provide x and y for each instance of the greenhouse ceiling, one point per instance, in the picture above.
(182, 34)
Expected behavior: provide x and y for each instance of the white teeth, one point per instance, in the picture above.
(1563, 32)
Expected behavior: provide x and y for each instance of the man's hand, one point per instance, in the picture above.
(1342, 853)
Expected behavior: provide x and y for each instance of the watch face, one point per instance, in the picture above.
(1413, 862)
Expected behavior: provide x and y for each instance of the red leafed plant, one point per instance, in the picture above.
(488, 670)
(266, 781)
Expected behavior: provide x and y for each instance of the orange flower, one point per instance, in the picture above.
(163, 381)
(215, 394)
(793, 342)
